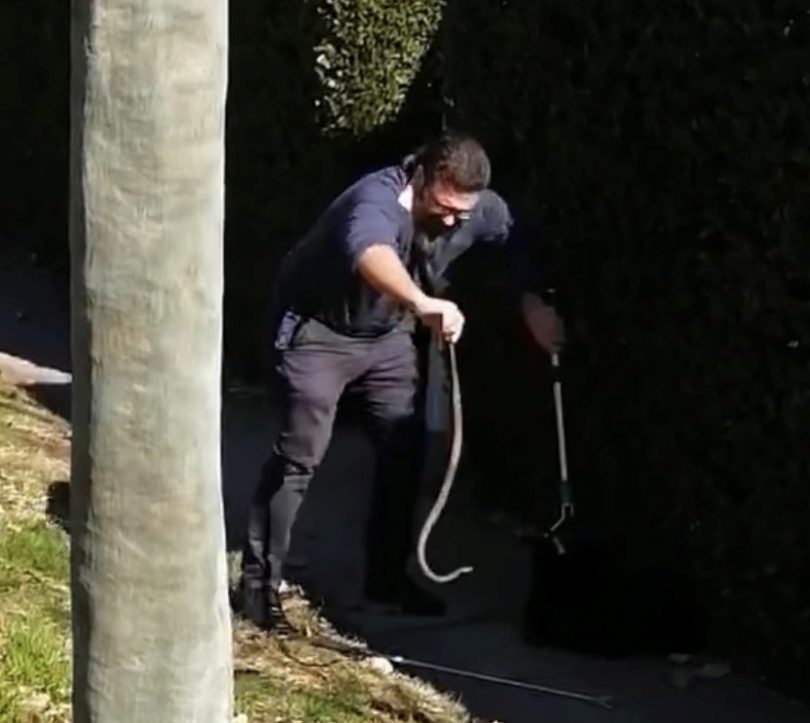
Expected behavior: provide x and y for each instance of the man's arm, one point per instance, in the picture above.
(381, 268)
(544, 325)
(497, 224)
(542, 320)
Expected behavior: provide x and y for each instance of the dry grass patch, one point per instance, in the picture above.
(276, 682)
(298, 680)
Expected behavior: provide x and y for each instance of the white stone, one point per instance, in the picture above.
(381, 665)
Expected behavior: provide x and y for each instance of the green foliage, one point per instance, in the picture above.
(262, 698)
(35, 658)
(368, 58)
(37, 548)
(34, 622)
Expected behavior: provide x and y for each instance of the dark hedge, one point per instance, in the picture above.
(664, 150)
(34, 85)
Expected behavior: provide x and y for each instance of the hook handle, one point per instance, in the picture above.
(566, 493)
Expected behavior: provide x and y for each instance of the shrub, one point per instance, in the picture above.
(662, 149)
(368, 58)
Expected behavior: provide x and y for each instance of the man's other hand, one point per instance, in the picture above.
(544, 325)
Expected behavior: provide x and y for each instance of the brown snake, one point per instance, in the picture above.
(447, 483)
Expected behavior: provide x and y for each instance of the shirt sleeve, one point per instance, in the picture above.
(495, 224)
(367, 225)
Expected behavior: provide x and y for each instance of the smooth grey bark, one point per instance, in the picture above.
(151, 622)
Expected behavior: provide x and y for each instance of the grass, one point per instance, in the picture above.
(34, 595)
(294, 682)
(263, 697)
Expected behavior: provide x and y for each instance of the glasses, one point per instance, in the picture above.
(460, 214)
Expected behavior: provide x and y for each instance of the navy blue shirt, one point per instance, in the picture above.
(319, 276)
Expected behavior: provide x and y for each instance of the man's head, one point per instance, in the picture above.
(450, 172)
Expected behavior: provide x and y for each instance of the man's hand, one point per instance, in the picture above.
(545, 326)
(444, 317)
(382, 269)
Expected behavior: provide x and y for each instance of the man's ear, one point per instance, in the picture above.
(418, 179)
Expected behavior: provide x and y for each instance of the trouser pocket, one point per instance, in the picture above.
(288, 327)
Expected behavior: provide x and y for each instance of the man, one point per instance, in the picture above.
(348, 300)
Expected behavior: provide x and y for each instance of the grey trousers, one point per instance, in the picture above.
(315, 366)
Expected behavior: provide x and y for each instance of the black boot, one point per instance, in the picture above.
(405, 594)
(261, 605)
(252, 603)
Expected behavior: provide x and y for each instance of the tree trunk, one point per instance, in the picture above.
(151, 623)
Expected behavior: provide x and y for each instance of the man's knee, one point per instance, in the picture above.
(306, 428)
(395, 429)
(396, 412)
(288, 471)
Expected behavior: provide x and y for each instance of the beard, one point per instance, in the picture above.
(431, 225)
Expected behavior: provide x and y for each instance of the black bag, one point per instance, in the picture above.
(593, 594)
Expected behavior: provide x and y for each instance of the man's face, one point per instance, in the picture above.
(438, 207)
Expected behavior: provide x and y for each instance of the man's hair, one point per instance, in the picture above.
(456, 159)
